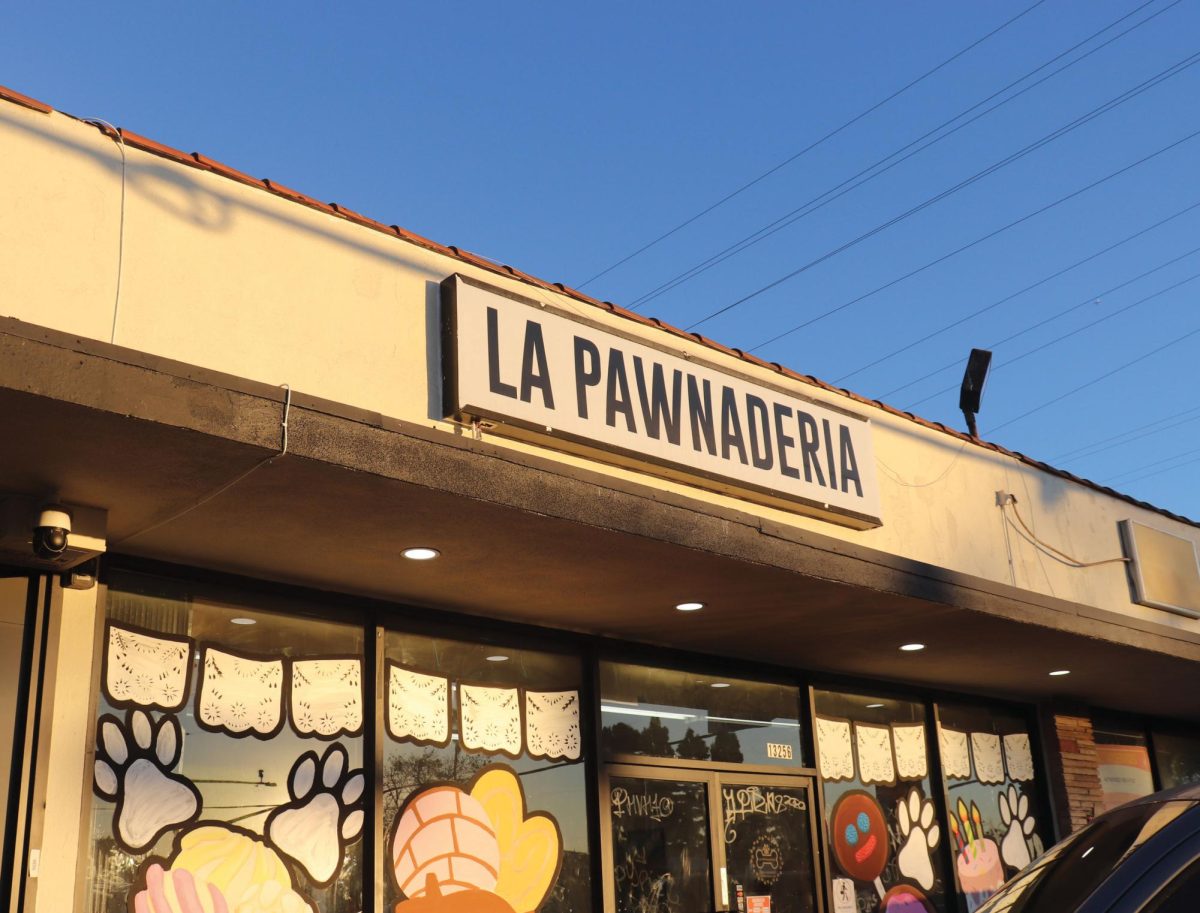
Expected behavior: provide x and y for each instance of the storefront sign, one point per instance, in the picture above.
(541, 375)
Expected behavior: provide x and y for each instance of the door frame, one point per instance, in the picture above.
(713, 775)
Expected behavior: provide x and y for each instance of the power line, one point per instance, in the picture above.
(995, 304)
(1171, 71)
(1086, 326)
(1095, 380)
(979, 240)
(1159, 472)
(811, 146)
(1127, 433)
(1137, 469)
(822, 200)
(1090, 299)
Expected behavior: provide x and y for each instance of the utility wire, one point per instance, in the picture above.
(1171, 71)
(820, 201)
(811, 146)
(1007, 298)
(1095, 380)
(1131, 431)
(1086, 326)
(1144, 466)
(981, 239)
(1091, 299)
(1159, 472)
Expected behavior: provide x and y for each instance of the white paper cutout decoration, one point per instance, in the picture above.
(418, 706)
(834, 748)
(912, 760)
(146, 670)
(326, 696)
(876, 763)
(552, 724)
(956, 756)
(490, 719)
(240, 695)
(989, 765)
(1017, 756)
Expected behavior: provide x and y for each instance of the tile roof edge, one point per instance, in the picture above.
(203, 163)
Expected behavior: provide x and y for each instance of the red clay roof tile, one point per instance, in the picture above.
(196, 160)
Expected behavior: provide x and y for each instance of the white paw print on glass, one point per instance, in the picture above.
(1014, 815)
(323, 816)
(133, 768)
(919, 836)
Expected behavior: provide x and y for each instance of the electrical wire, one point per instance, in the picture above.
(1041, 323)
(828, 136)
(995, 304)
(1171, 71)
(117, 135)
(980, 240)
(821, 200)
(1095, 380)
(1144, 466)
(1008, 504)
(1167, 418)
(1159, 472)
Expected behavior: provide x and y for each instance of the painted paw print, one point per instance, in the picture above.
(323, 816)
(1014, 814)
(134, 764)
(918, 835)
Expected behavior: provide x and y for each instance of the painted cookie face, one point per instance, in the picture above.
(859, 835)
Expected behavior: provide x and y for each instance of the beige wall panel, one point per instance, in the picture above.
(232, 278)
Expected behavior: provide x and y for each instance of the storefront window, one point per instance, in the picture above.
(995, 822)
(664, 713)
(882, 820)
(228, 768)
(484, 787)
(1123, 762)
(1178, 758)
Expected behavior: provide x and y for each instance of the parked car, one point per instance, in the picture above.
(1143, 857)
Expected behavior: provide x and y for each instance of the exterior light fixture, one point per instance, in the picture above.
(874, 706)
(912, 648)
(720, 685)
(498, 658)
(690, 606)
(242, 621)
(420, 553)
(1061, 672)
(971, 392)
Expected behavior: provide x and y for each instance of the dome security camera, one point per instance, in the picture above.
(51, 532)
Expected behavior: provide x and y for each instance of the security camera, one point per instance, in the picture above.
(51, 532)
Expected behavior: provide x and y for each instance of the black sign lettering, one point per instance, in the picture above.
(493, 339)
(655, 411)
(784, 441)
(618, 392)
(585, 377)
(809, 445)
(849, 463)
(701, 413)
(731, 426)
(760, 426)
(534, 370)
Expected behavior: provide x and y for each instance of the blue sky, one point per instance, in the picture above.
(560, 139)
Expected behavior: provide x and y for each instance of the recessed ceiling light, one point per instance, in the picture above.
(498, 658)
(420, 553)
(1061, 672)
(242, 621)
(912, 648)
(690, 606)
(720, 684)
(874, 706)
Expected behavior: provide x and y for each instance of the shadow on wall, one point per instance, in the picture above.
(183, 193)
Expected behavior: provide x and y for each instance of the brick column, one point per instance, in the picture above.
(1081, 780)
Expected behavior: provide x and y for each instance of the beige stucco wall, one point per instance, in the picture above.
(229, 277)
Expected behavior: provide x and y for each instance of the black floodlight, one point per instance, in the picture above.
(972, 386)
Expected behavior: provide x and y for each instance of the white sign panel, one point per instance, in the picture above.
(539, 373)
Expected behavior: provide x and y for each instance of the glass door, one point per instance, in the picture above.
(681, 840)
